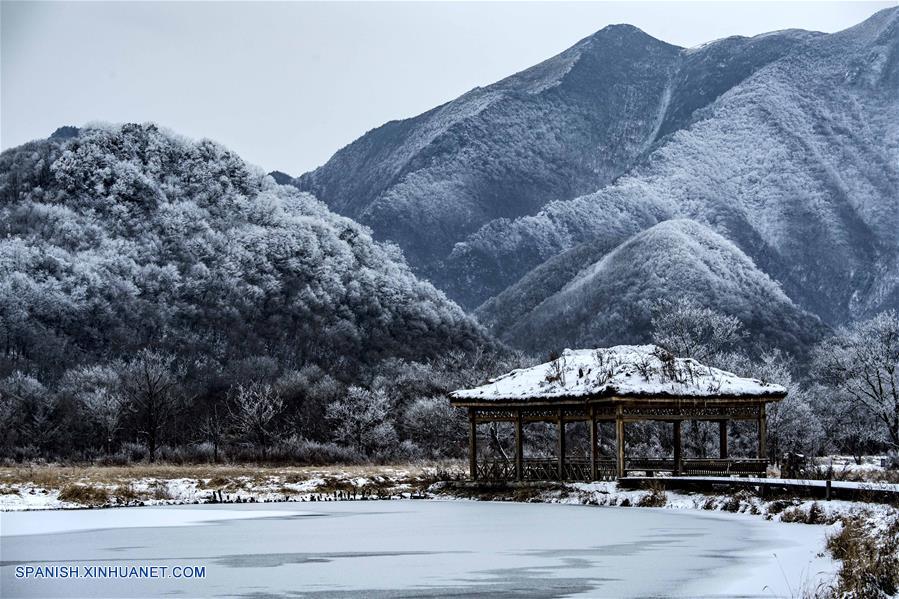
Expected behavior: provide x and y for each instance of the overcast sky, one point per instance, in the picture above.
(287, 84)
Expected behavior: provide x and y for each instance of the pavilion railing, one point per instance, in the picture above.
(725, 467)
(700, 466)
(496, 470)
(540, 469)
(649, 464)
(580, 469)
(575, 469)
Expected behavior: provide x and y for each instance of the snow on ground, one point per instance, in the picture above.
(629, 370)
(786, 509)
(848, 464)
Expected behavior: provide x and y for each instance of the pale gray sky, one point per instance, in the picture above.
(287, 84)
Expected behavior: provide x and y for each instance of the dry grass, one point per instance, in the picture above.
(870, 559)
(655, 496)
(84, 494)
(125, 494)
(814, 515)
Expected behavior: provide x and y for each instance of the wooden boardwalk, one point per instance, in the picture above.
(821, 489)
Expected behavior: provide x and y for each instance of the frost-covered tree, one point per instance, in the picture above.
(793, 425)
(849, 430)
(31, 411)
(255, 409)
(689, 330)
(98, 393)
(362, 420)
(861, 361)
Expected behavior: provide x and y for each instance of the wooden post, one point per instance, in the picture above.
(519, 446)
(722, 439)
(678, 458)
(619, 442)
(763, 432)
(561, 446)
(594, 450)
(472, 444)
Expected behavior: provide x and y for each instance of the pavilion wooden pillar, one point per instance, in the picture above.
(519, 446)
(678, 453)
(472, 444)
(594, 450)
(561, 446)
(722, 439)
(763, 432)
(619, 441)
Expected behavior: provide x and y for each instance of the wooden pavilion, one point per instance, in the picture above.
(621, 384)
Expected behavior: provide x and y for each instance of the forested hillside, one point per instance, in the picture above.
(127, 237)
(126, 247)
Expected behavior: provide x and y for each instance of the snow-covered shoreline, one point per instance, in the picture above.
(92, 489)
(337, 485)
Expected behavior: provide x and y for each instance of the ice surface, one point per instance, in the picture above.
(425, 548)
(42, 523)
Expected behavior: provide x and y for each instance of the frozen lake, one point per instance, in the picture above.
(413, 549)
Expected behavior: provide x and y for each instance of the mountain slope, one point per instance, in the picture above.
(565, 127)
(796, 165)
(119, 238)
(610, 301)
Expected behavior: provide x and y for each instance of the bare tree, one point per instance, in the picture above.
(150, 387)
(862, 362)
(254, 413)
(689, 330)
(214, 427)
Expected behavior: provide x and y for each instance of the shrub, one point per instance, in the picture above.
(84, 494)
(779, 505)
(302, 451)
(125, 494)
(732, 504)
(135, 452)
(655, 497)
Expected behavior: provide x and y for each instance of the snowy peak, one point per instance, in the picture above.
(619, 35)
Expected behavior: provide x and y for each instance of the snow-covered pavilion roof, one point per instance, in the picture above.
(621, 371)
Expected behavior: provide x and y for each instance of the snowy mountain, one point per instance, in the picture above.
(558, 130)
(124, 237)
(784, 144)
(611, 299)
(796, 165)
